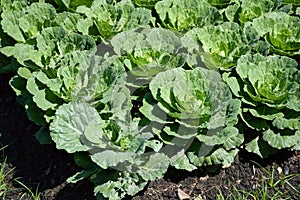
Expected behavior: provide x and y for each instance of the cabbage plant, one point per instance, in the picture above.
(182, 15)
(222, 44)
(147, 52)
(116, 148)
(108, 19)
(243, 11)
(187, 104)
(269, 88)
(281, 31)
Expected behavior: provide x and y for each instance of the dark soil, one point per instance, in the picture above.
(46, 168)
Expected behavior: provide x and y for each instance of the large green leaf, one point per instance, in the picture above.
(218, 157)
(70, 123)
(280, 140)
(154, 167)
(181, 161)
(109, 158)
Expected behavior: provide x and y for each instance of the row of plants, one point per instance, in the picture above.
(133, 87)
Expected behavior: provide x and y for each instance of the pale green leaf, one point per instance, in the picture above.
(181, 161)
(69, 124)
(280, 141)
(109, 158)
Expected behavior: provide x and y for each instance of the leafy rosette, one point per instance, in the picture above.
(43, 91)
(182, 15)
(186, 104)
(270, 90)
(56, 73)
(49, 47)
(114, 145)
(23, 22)
(108, 19)
(243, 11)
(32, 32)
(281, 31)
(147, 52)
(49, 70)
(222, 44)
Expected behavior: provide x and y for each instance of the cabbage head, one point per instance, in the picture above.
(269, 88)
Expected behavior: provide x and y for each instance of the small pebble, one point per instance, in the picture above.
(286, 170)
(279, 169)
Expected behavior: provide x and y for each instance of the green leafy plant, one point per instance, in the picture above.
(194, 112)
(147, 52)
(133, 87)
(269, 88)
(107, 19)
(222, 44)
(182, 15)
(281, 31)
(243, 11)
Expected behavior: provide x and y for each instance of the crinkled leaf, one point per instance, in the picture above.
(229, 137)
(181, 161)
(117, 189)
(145, 3)
(265, 113)
(43, 98)
(244, 10)
(218, 157)
(67, 20)
(28, 22)
(276, 86)
(23, 53)
(55, 41)
(154, 167)
(147, 52)
(192, 97)
(69, 124)
(282, 123)
(279, 141)
(111, 19)
(109, 158)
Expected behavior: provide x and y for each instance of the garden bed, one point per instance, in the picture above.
(47, 168)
